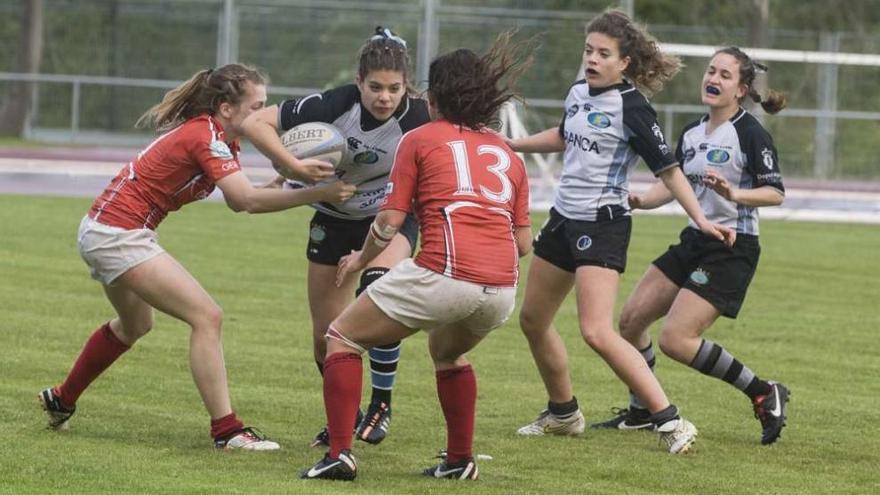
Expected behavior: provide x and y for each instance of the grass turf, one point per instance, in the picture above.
(808, 321)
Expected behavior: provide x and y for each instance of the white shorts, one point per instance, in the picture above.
(112, 251)
(422, 299)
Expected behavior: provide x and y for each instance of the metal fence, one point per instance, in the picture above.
(106, 61)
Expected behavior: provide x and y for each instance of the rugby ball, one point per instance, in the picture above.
(317, 140)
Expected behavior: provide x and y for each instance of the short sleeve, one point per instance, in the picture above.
(401, 187)
(646, 137)
(317, 107)
(215, 157)
(762, 159)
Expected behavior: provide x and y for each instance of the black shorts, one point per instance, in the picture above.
(717, 273)
(331, 238)
(568, 243)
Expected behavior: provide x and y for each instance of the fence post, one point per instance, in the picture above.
(74, 110)
(428, 41)
(826, 101)
(227, 33)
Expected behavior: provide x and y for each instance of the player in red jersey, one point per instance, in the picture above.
(470, 192)
(117, 239)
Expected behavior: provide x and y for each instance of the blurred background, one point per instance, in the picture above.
(80, 72)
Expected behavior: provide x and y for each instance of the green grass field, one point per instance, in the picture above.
(810, 320)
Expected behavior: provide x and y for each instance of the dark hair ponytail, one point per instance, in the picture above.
(469, 89)
(774, 101)
(384, 51)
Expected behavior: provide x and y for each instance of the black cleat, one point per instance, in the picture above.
(627, 419)
(374, 426)
(322, 439)
(342, 468)
(58, 414)
(462, 470)
(770, 410)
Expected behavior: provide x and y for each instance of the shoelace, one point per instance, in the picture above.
(251, 432)
(374, 415)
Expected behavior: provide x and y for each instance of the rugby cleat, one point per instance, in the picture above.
(626, 419)
(548, 423)
(342, 468)
(465, 469)
(58, 415)
(374, 426)
(678, 434)
(770, 410)
(247, 438)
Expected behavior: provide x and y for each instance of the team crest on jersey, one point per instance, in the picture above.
(572, 111)
(767, 155)
(584, 242)
(598, 120)
(717, 156)
(368, 157)
(220, 150)
(700, 277)
(689, 154)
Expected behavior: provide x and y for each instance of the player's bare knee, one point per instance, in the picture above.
(596, 336)
(208, 319)
(630, 325)
(670, 343)
(530, 324)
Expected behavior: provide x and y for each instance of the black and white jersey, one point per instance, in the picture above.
(372, 143)
(743, 152)
(605, 130)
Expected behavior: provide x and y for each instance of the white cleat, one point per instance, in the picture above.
(247, 439)
(549, 424)
(679, 435)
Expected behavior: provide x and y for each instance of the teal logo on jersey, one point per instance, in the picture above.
(699, 277)
(368, 157)
(717, 156)
(598, 120)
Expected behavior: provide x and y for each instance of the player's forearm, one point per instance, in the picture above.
(656, 196)
(268, 200)
(546, 141)
(762, 196)
(681, 190)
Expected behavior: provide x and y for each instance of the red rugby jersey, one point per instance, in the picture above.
(179, 167)
(470, 192)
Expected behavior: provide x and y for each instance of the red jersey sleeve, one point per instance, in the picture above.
(521, 207)
(213, 155)
(401, 188)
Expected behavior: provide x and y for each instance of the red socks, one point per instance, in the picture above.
(457, 390)
(223, 427)
(342, 395)
(100, 351)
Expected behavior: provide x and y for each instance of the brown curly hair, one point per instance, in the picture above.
(649, 68)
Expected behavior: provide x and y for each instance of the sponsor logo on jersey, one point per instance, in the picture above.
(717, 156)
(581, 142)
(354, 144)
(598, 120)
(689, 154)
(317, 234)
(572, 111)
(584, 242)
(699, 277)
(220, 150)
(767, 155)
(658, 133)
(367, 157)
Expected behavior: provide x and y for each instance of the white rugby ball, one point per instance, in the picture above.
(317, 140)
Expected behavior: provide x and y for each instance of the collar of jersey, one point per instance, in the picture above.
(618, 86)
(368, 122)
